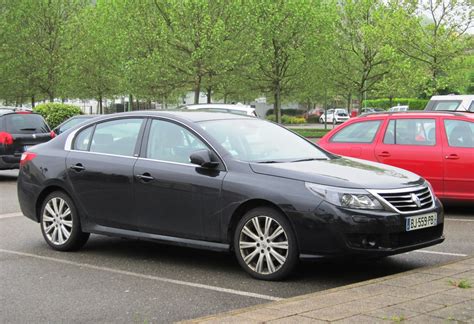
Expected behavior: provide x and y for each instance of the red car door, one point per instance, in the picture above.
(458, 154)
(355, 139)
(413, 144)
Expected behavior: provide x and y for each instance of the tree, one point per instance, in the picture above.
(35, 45)
(433, 33)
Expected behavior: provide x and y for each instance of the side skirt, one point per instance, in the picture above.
(197, 244)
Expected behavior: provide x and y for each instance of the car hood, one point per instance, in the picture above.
(342, 172)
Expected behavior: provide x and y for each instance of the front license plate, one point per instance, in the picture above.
(421, 221)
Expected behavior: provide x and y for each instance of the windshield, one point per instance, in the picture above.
(254, 140)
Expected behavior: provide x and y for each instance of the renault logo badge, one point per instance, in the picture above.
(416, 200)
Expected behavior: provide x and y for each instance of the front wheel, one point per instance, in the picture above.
(265, 244)
(60, 223)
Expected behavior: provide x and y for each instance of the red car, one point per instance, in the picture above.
(439, 146)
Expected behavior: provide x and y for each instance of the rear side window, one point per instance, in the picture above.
(362, 132)
(459, 133)
(117, 137)
(25, 124)
(411, 132)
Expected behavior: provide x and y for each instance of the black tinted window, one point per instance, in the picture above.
(363, 132)
(25, 124)
(460, 133)
(117, 137)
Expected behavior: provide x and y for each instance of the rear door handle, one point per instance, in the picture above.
(78, 167)
(145, 177)
(384, 154)
(452, 157)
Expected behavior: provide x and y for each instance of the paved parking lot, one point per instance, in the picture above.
(117, 280)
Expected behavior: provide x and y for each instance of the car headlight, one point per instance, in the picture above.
(345, 197)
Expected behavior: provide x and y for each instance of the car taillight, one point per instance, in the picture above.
(6, 138)
(26, 156)
(52, 134)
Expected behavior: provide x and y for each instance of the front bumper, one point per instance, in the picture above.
(331, 231)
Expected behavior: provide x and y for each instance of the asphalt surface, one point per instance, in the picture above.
(118, 280)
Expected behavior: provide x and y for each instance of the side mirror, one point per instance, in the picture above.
(204, 159)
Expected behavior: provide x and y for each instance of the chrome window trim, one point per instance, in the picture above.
(106, 154)
(375, 193)
(72, 136)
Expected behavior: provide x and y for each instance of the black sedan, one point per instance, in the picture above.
(222, 182)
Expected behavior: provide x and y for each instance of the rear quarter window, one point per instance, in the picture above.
(25, 124)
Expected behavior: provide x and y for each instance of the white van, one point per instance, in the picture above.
(451, 103)
(238, 109)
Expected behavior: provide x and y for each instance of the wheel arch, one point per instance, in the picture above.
(43, 194)
(247, 206)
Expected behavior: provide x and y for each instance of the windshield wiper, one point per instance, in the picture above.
(270, 161)
(28, 129)
(311, 159)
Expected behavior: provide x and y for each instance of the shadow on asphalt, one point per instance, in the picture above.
(8, 176)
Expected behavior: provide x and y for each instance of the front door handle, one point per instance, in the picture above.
(145, 177)
(78, 167)
(384, 154)
(452, 157)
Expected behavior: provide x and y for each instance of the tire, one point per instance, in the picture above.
(60, 223)
(270, 258)
(321, 120)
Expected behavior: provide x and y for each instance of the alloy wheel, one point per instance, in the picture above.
(263, 245)
(57, 221)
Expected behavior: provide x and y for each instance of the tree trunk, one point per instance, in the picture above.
(101, 109)
(209, 93)
(130, 102)
(225, 98)
(32, 101)
(51, 97)
(197, 89)
(349, 103)
(277, 103)
(138, 104)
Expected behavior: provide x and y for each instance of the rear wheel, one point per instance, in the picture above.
(60, 224)
(265, 244)
(321, 120)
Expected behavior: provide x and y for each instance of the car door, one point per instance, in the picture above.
(356, 139)
(100, 171)
(173, 196)
(458, 153)
(414, 144)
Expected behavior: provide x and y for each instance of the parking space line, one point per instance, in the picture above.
(144, 276)
(459, 219)
(442, 253)
(10, 215)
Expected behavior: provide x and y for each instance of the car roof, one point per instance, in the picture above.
(453, 97)
(190, 116)
(418, 113)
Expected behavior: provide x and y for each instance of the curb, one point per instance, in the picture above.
(320, 293)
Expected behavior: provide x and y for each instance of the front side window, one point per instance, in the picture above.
(460, 133)
(363, 132)
(411, 132)
(171, 142)
(117, 137)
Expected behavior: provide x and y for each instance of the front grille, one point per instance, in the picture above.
(408, 200)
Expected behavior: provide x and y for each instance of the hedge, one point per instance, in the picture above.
(289, 112)
(56, 113)
(285, 119)
(413, 103)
